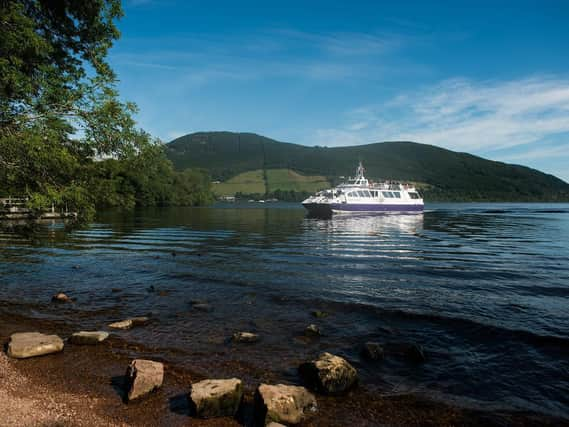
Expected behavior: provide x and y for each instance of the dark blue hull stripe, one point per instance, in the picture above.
(323, 207)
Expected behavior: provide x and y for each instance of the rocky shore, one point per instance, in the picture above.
(114, 382)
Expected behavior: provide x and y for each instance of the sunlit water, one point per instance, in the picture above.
(484, 289)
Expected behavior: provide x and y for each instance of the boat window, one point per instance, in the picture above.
(413, 195)
(367, 193)
(361, 193)
(374, 194)
(387, 194)
(397, 194)
(352, 194)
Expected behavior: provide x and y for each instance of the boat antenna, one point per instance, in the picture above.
(360, 171)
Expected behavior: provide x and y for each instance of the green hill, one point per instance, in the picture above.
(444, 174)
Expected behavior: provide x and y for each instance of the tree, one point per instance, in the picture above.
(58, 103)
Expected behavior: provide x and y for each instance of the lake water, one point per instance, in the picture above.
(484, 288)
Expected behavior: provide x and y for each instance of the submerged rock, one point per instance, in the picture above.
(216, 398)
(88, 338)
(319, 314)
(202, 307)
(312, 331)
(283, 404)
(60, 297)
(329, 374)
(143, 377)
(139, 321)
(373, 351)
(29, 344)
(245, 337)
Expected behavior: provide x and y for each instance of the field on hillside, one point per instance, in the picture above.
(286, 179)
(246, 182)
(277, 179)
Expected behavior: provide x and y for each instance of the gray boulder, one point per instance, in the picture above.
(329, 374)
(88, 338)
(29, 344)
(143, 377)
(216, 398)
(283, 404)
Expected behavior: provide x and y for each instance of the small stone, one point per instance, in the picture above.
(163, 293)
(123, 324)
(312, 331)
(116, 290)
(329, 374)
(216, 398)
(319, 314)
(373, 351)
(283, 404)
(88, 338)
(60, 297)
(29, 344)
(245, 337)
(129, 323)
(143, 376)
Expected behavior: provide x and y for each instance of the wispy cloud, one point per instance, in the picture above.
(462, 114)
(343, 43)
(264, 54)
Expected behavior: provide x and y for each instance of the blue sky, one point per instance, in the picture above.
(488, 78)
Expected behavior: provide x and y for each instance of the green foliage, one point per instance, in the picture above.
(446, 175)
(147, 179)
(59, 110)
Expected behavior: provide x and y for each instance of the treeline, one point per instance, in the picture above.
(66, 181)
(148, 179)
(281, 195)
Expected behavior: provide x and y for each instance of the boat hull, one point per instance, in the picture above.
(329, 208)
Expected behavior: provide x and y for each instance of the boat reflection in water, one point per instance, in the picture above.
(371, 231)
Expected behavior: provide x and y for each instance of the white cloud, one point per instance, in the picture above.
(463, 115)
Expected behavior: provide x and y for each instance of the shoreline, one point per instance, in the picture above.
(84, 386)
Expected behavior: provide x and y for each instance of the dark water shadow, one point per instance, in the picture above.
(246, 413)
(119, 384)
(180, 404)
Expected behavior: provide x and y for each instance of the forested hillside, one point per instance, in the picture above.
(443, 174)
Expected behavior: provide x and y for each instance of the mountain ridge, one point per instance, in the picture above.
(444, 174)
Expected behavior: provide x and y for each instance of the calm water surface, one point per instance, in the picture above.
(483, 287)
